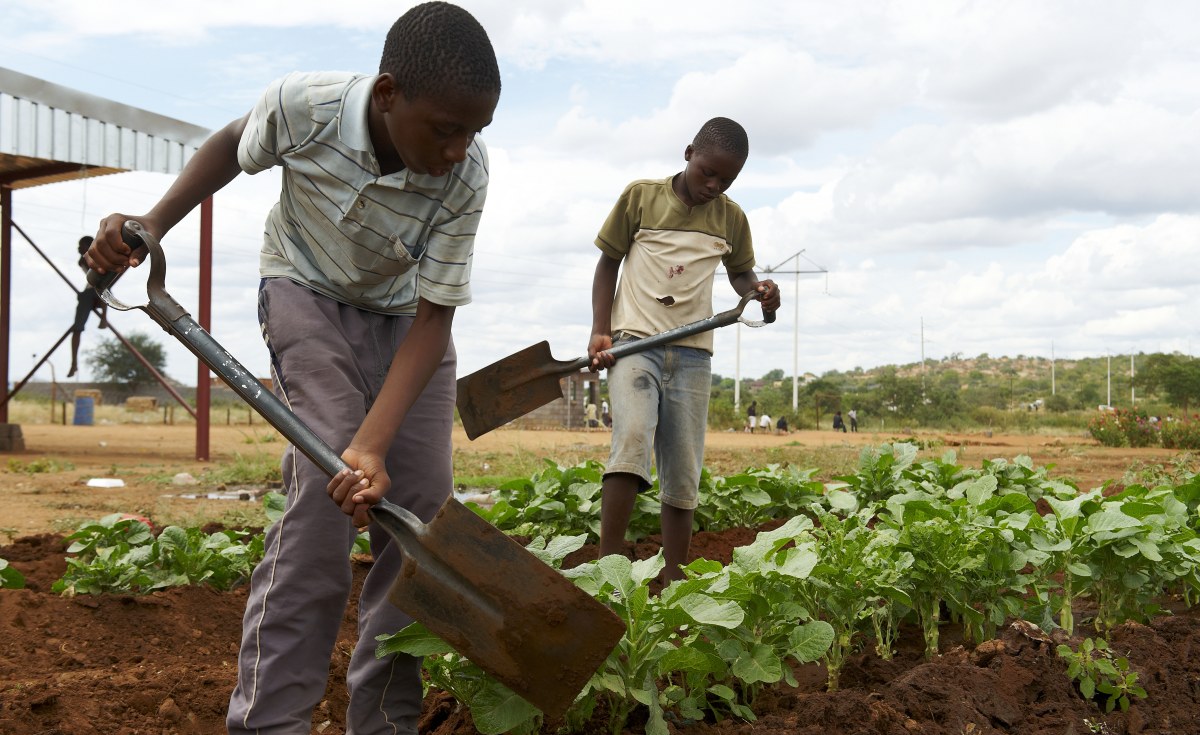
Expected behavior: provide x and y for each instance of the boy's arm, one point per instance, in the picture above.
(214, 165)
(413, 365)
(748, 281)
(604, 287)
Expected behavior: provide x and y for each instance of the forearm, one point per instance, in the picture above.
(604, 287)
(412, 367)
(743, 282)
(214, 165)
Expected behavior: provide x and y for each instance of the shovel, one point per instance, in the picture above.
(489, 598)
(524, 381)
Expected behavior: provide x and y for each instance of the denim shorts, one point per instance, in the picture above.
(660, 400)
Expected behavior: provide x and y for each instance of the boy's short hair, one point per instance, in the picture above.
(722, 134)
(439, 48)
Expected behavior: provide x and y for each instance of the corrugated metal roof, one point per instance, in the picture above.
(53, 133)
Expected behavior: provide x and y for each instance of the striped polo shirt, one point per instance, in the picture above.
(374, 242)
(671, 252)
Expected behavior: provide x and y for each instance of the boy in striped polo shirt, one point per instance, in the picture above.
(670, 234)
(364, 259)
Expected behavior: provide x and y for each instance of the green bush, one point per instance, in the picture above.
(1124, 428)
(1180, 434)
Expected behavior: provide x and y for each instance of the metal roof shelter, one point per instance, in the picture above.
(50, 133)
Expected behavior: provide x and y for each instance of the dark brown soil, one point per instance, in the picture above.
(164, 664)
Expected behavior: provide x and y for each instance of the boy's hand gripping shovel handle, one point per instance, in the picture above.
(173, 318)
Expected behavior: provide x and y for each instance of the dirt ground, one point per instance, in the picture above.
(164, 663)
(145, 458)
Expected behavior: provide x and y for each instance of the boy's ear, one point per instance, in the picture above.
(687, 152)
(383, 91)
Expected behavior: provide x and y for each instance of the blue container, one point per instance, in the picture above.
(84, 408)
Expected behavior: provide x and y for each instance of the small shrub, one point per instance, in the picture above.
(1180, 433)
(1100, 675)
(1123, 428)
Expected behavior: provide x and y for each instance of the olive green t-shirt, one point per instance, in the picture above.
(670, 253)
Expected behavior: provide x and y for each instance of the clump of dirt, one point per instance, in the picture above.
(165, 663)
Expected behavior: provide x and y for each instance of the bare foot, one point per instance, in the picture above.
(72, 371)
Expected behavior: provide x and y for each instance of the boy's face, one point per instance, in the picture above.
(708, 174)
(428, 135)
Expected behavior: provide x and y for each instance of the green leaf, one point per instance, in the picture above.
(415, 640)
(723, 692)
(810, 641)
(760, 664)
(706, 610)
(10, 578)
(689, 659)
(496, 710)
(1087, 687)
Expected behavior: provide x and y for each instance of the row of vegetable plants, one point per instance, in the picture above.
(901, 540)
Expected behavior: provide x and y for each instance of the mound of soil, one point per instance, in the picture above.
(165, 663)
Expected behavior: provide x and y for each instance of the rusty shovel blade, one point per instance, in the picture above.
(524, 381)
(495, 603)
(510, 388)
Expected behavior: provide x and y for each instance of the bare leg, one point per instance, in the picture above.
(74, 355)
(677, 538)
(616, 506)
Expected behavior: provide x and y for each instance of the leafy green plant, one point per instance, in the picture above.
(1101, 675)
(10, 578)
(880, 472)
(1180, 434)
(558, 501)
(190, 556)
(776, 626)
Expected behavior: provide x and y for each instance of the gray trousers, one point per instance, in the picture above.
(329, 362)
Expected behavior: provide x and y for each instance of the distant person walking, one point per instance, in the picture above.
(853, 415)
(838, 424)
(752, 415)
(764, 423)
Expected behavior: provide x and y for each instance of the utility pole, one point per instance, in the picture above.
(796, 325)
(1132, 397)
(1108, 401)
(1052, 367)
(922, 359)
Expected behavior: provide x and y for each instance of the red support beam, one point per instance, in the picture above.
(5, 288)
(203, 385)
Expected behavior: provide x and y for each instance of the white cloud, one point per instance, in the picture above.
(1013, 174)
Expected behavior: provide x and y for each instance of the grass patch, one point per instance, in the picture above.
(245, 469)
(39, 466)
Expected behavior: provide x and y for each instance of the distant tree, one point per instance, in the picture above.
(773, 375)
(1178, 376)
(112, 362)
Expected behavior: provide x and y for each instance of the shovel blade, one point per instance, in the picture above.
(509, 388)
(507, 611)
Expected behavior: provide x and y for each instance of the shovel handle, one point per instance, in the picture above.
(722, 319)
(178, 323)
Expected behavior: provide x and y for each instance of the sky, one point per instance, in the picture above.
(949, 178)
